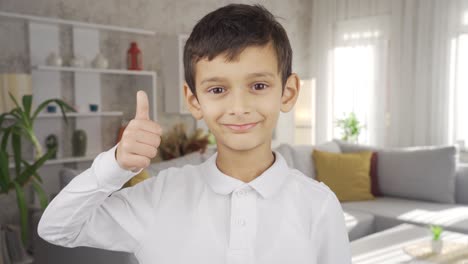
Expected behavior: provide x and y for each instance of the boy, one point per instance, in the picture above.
(244, 204)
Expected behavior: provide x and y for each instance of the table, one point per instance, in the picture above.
(387, 246)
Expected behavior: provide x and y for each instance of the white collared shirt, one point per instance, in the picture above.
(197, 214)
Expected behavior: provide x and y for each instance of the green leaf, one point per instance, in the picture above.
(23, 208)
(63, 106)
(40, 192)
(21, 115)
(6, 135)
(24, 176)
(36, 175)
(27, 102)
(4, 171)
(14, 100)
(16, 143)
(16, 113)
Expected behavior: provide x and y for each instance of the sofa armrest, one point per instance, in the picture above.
(45, 252)
(461, 184)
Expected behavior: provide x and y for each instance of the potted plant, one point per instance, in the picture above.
(24, 172)
(436, 242)
(350, 126)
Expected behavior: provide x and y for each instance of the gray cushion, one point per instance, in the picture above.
(303, 156)
(358, 224)
(461, 181)
(347, 147)
(394, 211)
(425, 173)
(287, 152)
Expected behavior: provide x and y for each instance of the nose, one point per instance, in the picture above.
(240, 103)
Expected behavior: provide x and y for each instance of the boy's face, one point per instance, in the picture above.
(244, 92)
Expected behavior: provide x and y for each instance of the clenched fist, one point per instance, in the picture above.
(140, 139)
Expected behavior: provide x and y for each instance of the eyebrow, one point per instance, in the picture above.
(255, 74)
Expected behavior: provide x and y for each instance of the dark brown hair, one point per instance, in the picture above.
(231, 29)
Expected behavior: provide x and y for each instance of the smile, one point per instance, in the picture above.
(243, 127)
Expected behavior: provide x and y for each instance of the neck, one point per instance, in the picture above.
(245, 165)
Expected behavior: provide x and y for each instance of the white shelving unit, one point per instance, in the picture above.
(43, 35)
(93, 70)
(73, 23)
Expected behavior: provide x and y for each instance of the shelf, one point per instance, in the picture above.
(93, 70)
(64, 160)
(87, 114)
(75, 114)
(77, 23)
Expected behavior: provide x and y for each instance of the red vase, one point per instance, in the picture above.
(134, 60)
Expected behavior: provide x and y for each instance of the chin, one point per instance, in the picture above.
(242, 144)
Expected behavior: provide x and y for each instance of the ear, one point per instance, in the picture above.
(191, 101)
(290, 93)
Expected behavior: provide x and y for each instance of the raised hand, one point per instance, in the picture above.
(140, 139)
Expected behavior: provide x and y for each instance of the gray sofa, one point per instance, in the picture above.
(422, 186)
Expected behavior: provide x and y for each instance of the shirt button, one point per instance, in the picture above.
(241, 221)
(241, 193)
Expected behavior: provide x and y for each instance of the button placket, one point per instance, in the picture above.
(238, 233)
(243, 229)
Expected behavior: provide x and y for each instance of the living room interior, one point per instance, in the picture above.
(381, 115)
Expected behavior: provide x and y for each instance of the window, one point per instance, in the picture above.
(458, 119)
(358, 75)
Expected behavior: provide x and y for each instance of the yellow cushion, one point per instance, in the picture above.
(347, 174)
(143, 175)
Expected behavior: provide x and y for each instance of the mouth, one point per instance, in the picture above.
(241, 127)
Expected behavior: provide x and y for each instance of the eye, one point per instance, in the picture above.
(216, 90)
(260, 86)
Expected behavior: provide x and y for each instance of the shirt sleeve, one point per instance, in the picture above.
(331, 234)
(93, 210)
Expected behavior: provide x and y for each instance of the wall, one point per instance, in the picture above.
(165, 17)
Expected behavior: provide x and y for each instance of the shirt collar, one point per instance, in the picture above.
(266, 184)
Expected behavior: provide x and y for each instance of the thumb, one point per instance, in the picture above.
(142, 106)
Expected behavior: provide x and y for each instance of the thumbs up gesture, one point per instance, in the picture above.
(140, 139)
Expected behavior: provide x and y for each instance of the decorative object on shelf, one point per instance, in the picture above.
(24, 172)
(51, 143)
(79, 143)
(51, 109)
(177, 143)
(78, 61)
(93, 107)
(54, 60)
(100, 62)
(17, 84)
(436, 242)
(134, 57)
(351, 127)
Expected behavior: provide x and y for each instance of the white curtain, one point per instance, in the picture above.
(415, 107)
(359, 74)
(458, 78)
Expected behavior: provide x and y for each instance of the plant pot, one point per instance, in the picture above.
(436, 246)
(79, 141)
